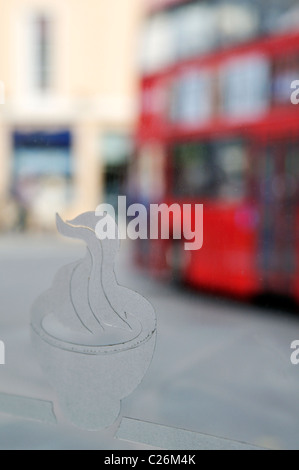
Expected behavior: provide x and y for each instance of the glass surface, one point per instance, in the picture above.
(176, 114)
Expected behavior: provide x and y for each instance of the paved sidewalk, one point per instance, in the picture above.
(220, 367)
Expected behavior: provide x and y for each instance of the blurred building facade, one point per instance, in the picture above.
(68, 69)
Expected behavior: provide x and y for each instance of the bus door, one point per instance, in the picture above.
(278, 205)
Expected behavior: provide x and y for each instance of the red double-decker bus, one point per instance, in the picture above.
(218, 128)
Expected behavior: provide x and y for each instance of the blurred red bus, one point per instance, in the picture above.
(221, 130)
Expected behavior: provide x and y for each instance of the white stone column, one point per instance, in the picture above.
(88, 171)
(6, 156)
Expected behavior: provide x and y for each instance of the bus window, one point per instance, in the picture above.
(150, 171)
(157, 43)
(231, 170)
(213, 170)
(193, 171)
(292, 172)
(196, 29)
(192, 98)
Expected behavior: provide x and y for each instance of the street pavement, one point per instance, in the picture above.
(220, 367)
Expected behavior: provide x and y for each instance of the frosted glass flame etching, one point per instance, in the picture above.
(95, 339)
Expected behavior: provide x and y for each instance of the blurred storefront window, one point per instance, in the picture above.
(43, 172)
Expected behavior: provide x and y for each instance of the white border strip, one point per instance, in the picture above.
(163, 437)
(27, 408)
